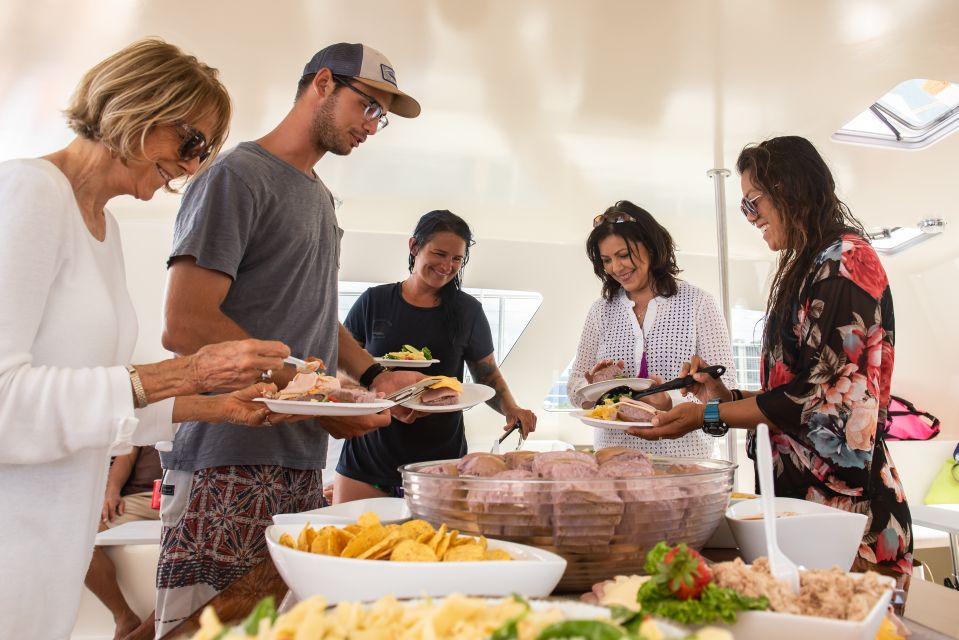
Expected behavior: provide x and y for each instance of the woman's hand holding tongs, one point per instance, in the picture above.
(706, 387)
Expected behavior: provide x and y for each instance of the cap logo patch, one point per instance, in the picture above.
(388, 75)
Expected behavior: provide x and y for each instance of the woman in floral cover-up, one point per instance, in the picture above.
(827, 354)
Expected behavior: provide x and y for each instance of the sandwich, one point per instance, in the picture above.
(445, 391)
(610, 371)
(630, 410)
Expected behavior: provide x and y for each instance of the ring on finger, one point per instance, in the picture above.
(267, 423)
(266, 375)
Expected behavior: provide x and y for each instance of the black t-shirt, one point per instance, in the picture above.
(382, 321)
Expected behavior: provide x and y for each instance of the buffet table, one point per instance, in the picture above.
(233, 604)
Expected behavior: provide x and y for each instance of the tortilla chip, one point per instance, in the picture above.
(363, 541)
(287, 541)
(368, 519)
(413, 529)
(434, 542)
(465, 553)
(412, 551)
(387, 543)
(305, 539)
(339, 538)
(498, 554)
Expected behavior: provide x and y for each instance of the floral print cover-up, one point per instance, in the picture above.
(825, 381)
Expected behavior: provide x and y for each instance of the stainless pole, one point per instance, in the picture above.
(719, 189)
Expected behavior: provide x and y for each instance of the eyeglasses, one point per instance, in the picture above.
(193, 144)
(374, 110)
(612, 217)
(748, 205)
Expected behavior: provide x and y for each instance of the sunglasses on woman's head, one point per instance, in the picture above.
(193, 144)
(612, 217)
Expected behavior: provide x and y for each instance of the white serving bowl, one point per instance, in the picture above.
(389, 511)
(761, 625)
(817, 537)
(533, 573)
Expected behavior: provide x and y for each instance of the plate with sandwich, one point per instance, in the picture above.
(311, 393)
(607, 378)
(407, 357)
(449, 394)
(621, 415)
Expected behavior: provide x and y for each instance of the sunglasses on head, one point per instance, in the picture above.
(193, 144)
(612, 217)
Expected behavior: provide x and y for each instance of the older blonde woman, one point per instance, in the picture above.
(144, 117)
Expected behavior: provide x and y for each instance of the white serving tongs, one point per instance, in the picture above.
(413, 391)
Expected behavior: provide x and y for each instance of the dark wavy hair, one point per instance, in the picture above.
(791, 173)
(429, 225)
(645, 231)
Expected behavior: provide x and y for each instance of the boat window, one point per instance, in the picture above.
(913, 115)
(509, 312)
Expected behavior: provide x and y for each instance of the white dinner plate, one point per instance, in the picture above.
(606, 424)
(307, 408)
(404, 364)
(592, 392)
(472, 395)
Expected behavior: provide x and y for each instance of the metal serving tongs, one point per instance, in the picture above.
(715, 371)
(499, 441)
(413, 391)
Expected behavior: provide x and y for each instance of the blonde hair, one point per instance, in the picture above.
(148, 84)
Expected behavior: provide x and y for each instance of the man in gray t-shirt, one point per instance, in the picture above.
(256, 253)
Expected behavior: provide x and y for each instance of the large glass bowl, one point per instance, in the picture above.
(602, 526)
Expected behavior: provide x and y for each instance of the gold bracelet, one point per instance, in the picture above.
(139, 394)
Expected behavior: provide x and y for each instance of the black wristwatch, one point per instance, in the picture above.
(371, 372)
(712, 423)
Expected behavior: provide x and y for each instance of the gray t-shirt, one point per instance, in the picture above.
(273, 230)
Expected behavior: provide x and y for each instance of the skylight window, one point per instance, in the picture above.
(913, 115)
(893, 240)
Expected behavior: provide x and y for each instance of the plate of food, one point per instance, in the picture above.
(407, 357)
(748, 600)
(449, 394)
(311, 393)
(325, 408)
(453, 616)
(621, 415)
(594, 391)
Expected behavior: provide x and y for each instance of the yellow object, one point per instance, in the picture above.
(447, 381)
(887, 631)
(413, 541)
(605, 411)
(454, 617)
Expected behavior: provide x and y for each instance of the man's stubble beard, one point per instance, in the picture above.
(323, 133)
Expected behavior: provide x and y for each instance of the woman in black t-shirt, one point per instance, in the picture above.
(427, 309)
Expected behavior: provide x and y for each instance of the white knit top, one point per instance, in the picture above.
(674, 329)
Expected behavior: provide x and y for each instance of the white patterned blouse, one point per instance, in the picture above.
(674, 329)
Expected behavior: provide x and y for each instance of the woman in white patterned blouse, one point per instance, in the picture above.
(647, 318)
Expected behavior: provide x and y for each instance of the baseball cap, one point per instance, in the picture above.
(367, 64)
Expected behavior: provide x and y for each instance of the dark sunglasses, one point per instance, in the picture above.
(748, 205)
(193, 144)
(612, 217)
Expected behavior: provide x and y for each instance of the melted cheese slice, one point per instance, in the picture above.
(451, 383)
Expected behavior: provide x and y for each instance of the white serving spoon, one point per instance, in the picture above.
(781, 566)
